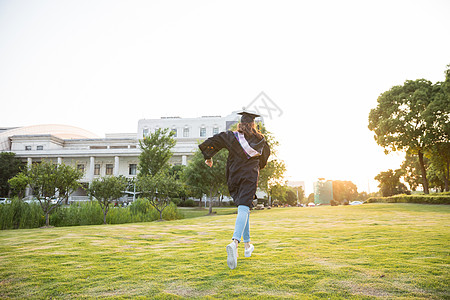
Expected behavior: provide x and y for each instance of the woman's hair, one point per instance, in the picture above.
(249, 129)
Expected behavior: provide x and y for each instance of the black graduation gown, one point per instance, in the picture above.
(242, 170)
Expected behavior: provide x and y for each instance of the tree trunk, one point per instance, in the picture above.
(160, 214)
(104, 217)
(424, 173)
(210, 201)
(446, 178)
(47, 219)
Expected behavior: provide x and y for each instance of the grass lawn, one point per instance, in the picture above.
(193, 212)
(359, 252)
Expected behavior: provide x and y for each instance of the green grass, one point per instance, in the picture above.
(194, 212)
(357, 252)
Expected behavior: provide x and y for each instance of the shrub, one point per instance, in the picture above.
(441, 198)
(19, 214)
(189, 203)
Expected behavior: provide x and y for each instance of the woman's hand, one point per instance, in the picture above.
(209, 162)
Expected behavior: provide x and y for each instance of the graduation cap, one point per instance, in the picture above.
(248, 116)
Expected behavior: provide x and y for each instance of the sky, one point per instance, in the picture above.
(103, 65)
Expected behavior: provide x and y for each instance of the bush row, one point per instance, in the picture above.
(19, 214)
(441, 198)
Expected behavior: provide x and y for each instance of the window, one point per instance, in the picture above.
(80, 167)
(39, 147)
(28, 148)
(186, 132)
(174, 130)
(97, 169)
(109, 169)
(215, 130)
(202, 132)
(132, 169)
(145, 132)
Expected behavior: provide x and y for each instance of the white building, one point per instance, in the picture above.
(116, 154)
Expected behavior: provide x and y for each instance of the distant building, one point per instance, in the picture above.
(323, 191)
(116, 154)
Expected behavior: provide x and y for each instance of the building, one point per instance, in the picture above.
(323, 191)
(116, 154)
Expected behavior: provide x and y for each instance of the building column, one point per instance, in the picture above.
(116, 166)
(59, 160)
(90, 175)
(29, 164)
(184, 160)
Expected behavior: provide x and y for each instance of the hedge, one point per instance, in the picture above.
(440, 198)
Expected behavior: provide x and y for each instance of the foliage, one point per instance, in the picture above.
(291, 197)
(413, 117)
(156, 151)
(50, 184)
(439, 171)
(203, 179)
(18, 184)
(311, 198)
(344, 191)
(159, 189)
(19, 214)
(10, 166)
(278, 192)
(107, 189)
(422, 199)
(390, 183)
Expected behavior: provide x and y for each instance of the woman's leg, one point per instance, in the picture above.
(246, 234)
(241, 223)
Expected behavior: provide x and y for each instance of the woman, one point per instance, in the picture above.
(248, 153)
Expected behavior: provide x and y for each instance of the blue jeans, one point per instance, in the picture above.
(242, 227)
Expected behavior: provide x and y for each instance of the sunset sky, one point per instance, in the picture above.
(103, 65)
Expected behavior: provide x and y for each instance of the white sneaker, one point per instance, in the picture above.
(248, 252)
(232, 255)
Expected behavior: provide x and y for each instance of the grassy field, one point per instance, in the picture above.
(357, 252)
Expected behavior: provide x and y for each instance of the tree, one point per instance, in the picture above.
(156, 151)
(311, 198)
(344, 191)
(403, 120)
(279, 192)
(205, 180)
(390, 183)
(411, 170)
(10, 166)
(107, 189)
(67, 181)
(439, 157)
(291, 197)
(158, 189)
(50, 184)
(18, 184)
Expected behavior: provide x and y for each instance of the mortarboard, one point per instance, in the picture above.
(248, 116)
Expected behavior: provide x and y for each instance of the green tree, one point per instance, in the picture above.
(311, 198)
(205, 180)
(51, 184)
(439, 157)
(344, 191)
(278, 192)
(159, 189)
(156, 151)
(390, 183)
(411, 170)
(291, 197)
(18, 184)
(403, 120)
(106, 190)
(10, 165)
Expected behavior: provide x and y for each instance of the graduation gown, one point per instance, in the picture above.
(246, 156)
